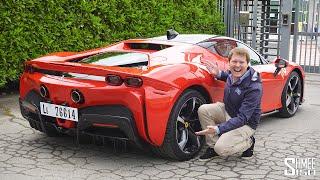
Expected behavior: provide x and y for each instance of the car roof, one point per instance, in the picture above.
(185, 38)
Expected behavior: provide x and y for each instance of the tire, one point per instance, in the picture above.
(291, 96)
(180, 142)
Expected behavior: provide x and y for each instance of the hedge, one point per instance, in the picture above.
(31, 28)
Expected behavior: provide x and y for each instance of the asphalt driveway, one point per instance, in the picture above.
(28, 154)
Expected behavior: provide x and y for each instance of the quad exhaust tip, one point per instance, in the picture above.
(44, 91)
(77, 97)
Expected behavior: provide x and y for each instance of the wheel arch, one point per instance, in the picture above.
(160, 101)
(203, 91)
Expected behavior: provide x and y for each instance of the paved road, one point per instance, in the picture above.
(28, 154)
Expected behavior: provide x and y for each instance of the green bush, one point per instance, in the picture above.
(31, 28)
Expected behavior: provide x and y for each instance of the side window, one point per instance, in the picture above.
(223, 47)
(254, 57)
(219, 46)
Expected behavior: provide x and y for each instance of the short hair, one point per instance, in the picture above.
(241, 52)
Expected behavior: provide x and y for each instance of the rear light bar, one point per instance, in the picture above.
(115, 80)
(133, 82)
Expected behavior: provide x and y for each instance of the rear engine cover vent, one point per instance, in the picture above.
(146, 46)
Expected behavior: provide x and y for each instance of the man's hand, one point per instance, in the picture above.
(212, 68)
(209, 130)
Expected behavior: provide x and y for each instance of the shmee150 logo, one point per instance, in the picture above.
(300, 166)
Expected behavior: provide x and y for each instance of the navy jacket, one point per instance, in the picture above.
(242, 100)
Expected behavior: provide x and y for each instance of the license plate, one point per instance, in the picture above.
(57, 111)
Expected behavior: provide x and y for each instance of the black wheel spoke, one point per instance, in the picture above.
(290, 87)
(292, 105)
(288, 101)
(189, 109)
(296, 95)
(193, 104)
(295, 82)
(193, 138)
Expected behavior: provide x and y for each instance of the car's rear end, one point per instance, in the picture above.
(73, 96)
(101, 93)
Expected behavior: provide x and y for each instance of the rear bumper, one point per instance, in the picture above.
(111, 121)
(106, 120)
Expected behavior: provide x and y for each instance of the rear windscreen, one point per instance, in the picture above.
(123, 59)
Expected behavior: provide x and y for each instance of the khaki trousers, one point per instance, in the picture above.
(229, 143)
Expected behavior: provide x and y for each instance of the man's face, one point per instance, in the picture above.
(238, 65)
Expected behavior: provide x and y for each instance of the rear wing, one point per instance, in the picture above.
(94, 72)
(56, 68)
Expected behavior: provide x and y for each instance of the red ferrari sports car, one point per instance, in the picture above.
(146, 91)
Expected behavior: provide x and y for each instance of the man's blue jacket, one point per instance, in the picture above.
(242, 100)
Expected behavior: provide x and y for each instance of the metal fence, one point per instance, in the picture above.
(286, 28)
(305, 41)
(261, 29)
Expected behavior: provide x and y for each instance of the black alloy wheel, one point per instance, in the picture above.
(181, 142)
(291, 95)
(187, 124)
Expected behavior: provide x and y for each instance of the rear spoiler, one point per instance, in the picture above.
(82, 68)
(95, 70)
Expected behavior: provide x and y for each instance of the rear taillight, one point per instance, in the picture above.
(114, 80)
(28, 68)
(133, 82)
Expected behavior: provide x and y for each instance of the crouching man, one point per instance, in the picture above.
(229, 126)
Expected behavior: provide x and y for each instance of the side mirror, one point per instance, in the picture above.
(279, 63)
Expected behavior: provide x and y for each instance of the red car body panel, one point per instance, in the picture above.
(170, 72)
